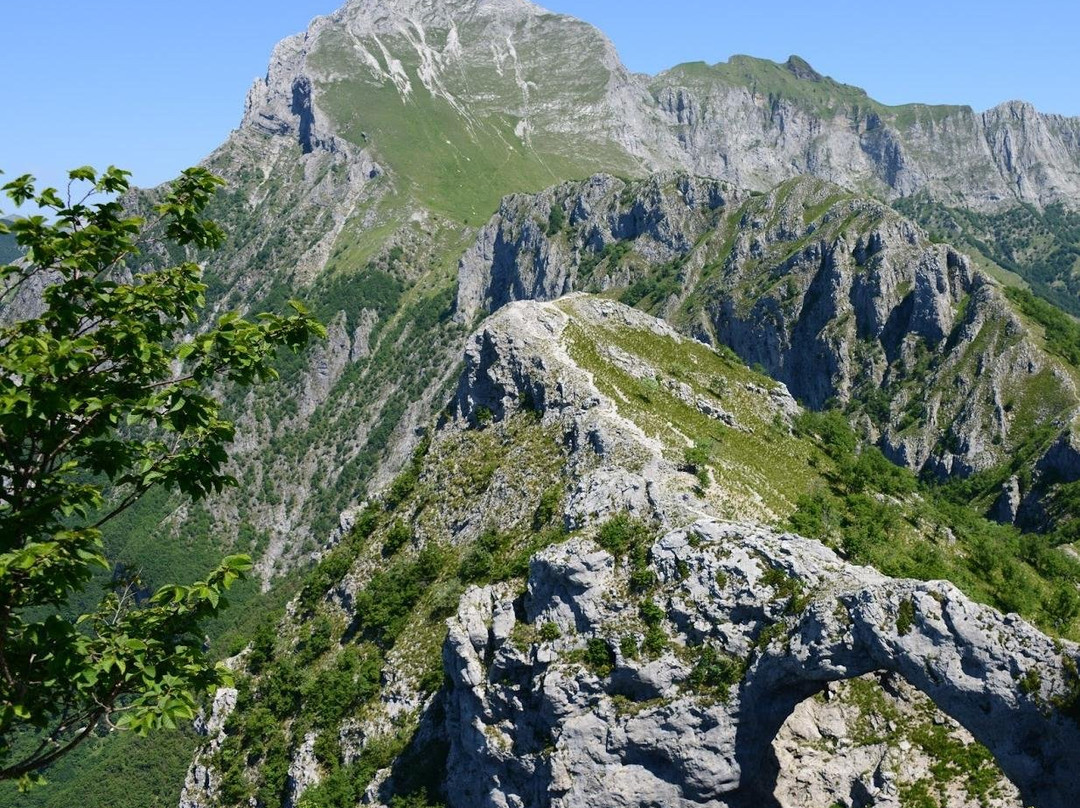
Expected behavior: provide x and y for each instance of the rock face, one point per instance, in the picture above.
(835, 295)
(532, 724)
(201, 784)
(756, 123)
(748, 121)
(520, 359)
(518, 255)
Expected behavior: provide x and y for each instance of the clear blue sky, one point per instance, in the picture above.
(154, 86)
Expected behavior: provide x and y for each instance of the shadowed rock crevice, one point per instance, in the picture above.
(301, 108)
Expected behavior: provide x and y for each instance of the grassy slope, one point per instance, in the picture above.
(758, 471)
(445, 166)
(461, 164)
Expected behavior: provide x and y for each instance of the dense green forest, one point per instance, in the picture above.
(1042, 247)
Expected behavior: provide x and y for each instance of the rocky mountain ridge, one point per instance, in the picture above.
(385, 130)
(835, 295)
(790, 120)
(621, 645)
(752, 122)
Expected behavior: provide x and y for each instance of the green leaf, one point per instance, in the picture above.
(239, 563)
(84, 173)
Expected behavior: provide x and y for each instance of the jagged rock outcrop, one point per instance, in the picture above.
(544, 721)
(519, 359)
(533, 724)
(281, 103)
(202, 782)
(532, 356)
(837, 296)
(518, 255)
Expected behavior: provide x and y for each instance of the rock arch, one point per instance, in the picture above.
(995, 675)
(878, 741)
(641, 735)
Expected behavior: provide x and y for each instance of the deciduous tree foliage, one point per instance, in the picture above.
(103, 395)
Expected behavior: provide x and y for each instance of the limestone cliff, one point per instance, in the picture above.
(756, 123)
(836, 295)
(562, 93)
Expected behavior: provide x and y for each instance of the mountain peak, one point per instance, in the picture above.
(372, 12)
(801, 69)
(505, 83)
